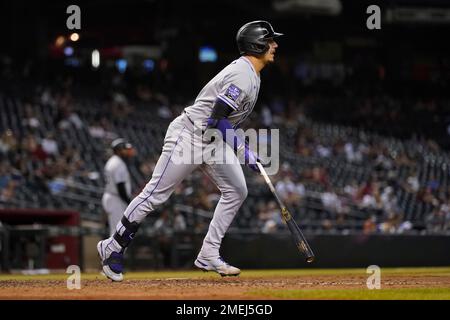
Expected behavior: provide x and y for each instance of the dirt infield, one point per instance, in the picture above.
(290, 284)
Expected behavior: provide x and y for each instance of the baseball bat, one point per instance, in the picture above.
(299, 238)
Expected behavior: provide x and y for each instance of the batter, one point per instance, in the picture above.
(222, 105)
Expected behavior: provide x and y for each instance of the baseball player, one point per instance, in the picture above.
(224, 103)
(117, 194)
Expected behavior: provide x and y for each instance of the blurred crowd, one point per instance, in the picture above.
(33, 156)
(394, 191)
(399, 177)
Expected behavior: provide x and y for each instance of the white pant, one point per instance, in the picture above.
(229, 178)
(114, 207)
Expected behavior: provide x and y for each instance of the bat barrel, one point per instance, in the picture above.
(297, 234)
(300, 240)
(308, 252)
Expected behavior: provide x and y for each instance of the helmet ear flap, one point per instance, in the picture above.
(259, 48)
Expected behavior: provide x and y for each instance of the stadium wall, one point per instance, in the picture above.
(338, 251)
(37, 238)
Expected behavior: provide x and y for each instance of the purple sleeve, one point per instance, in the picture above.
(228, 133)
(231, 138)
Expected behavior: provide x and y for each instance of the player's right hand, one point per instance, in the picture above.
(250, 159)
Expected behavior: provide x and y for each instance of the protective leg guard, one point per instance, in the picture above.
(128, 234)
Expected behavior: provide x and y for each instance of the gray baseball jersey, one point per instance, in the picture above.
(237, 85)
(115, 171)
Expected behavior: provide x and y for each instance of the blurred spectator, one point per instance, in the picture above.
(164, 231)
(370, 225)
(7, 194)
(317, 175)
(412, 183)
(389, 200)
(147, 166)
(437, 220)
(327, 225)
(391, 224)
(120, 108)
(33, 148)
(351, 190)
(47, 99)
(164, 112)
(179, 222)
(67, 117)
(57, 185)
(350, 152)
(8, 142)
(269, 217)
(383, 161)
(323, 151)
(101, 128)
(9, 181)
(433, 183)
(331, 201)
(49, 144)
(30, 119)
(289, 191)
(405, 226)
(162, 224)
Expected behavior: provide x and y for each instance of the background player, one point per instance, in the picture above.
(117, 194)
(223, 104)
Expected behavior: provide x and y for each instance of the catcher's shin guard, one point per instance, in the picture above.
(128, 234)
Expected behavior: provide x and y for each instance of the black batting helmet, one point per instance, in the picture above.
(252, 37)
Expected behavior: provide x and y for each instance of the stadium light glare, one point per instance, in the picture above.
(207, 54)
(68, 51)
(149, 65)
(95, 58)
(121, 65)
(59, 42)
(74, 37)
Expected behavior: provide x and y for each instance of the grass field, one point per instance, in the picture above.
(399, 284)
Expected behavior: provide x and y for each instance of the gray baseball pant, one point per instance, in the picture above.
(228, 177)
